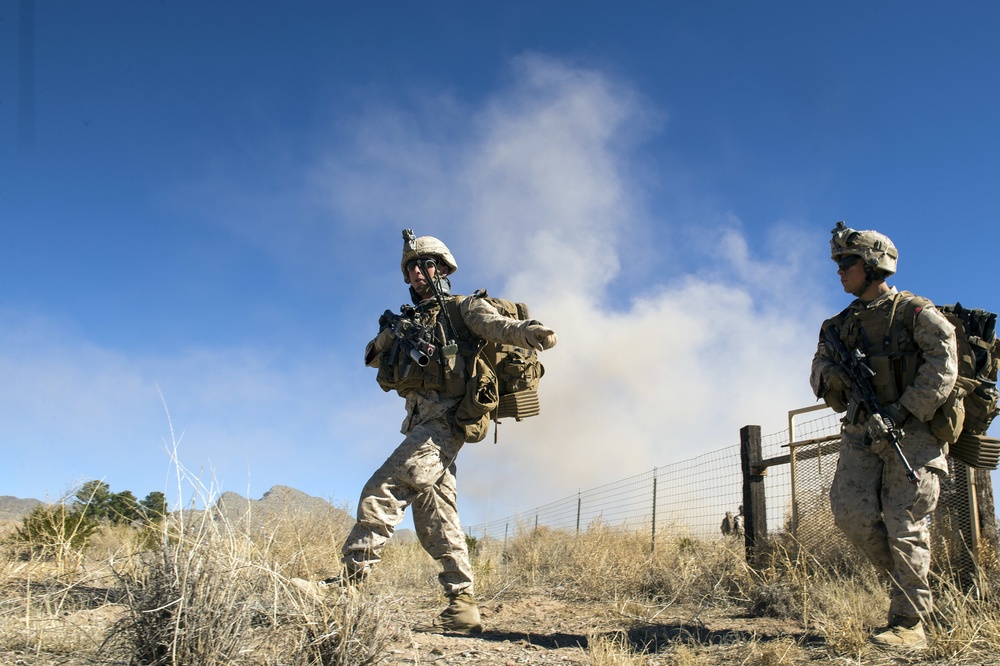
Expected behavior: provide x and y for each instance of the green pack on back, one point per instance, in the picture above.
(974, 404)
(517, 370)
(503, 379)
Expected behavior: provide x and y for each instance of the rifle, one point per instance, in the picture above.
(863, 393)
(416, 340)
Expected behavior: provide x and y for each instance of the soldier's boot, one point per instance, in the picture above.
(460, 617)
(903, 634)
(328, 589)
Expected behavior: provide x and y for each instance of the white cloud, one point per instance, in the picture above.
(541, 196)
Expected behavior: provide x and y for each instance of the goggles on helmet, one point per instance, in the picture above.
(426, 262)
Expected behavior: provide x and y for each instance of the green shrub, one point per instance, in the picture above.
(52, 530)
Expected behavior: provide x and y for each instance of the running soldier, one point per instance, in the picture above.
(425, 354)
(911, 348)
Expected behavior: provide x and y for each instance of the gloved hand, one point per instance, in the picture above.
(384, 338)
(537, 336)
(836, 379)
(878, 432)
(898, 413)
(878, 427)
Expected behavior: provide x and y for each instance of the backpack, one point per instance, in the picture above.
(518, 370)
(965, 417)
(504, 380)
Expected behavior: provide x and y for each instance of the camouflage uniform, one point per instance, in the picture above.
(877, 508)
(420, 473)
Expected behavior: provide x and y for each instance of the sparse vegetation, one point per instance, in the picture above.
(200, 588)
(54, 532)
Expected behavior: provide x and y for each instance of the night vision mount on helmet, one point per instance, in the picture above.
(875, 249)
(425, 246)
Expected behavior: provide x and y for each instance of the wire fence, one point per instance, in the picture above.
(689, 498)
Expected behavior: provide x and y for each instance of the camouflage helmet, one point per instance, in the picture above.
(426, 246)
(875, 249)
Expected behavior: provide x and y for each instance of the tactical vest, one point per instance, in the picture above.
(447, 369)
(494, 380)
(884, 334)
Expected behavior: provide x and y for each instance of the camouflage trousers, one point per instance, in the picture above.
(420, 474)
(885, 516)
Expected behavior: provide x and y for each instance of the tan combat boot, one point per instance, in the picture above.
(328, 590)
(460, 617)
(900, 635)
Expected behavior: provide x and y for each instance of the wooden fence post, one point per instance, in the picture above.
(754, 499)
(987, 511)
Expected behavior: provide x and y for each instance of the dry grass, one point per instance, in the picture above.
(212, 592)
(829, 601)
(200, 590)
(194, 589)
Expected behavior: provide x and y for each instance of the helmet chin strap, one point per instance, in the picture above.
(443, 285)
(870, 276)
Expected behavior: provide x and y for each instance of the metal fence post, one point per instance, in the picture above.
(579, 503)
(652, 543)
(987, 510)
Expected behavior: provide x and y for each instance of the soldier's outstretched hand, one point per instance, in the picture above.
(539, 337)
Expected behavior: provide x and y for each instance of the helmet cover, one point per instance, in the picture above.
(425, 246)
(875, 249)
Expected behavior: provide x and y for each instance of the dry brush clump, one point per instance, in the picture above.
(214, 594)
(191, 589)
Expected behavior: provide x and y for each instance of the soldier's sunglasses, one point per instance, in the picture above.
(846, 262)
(426, 261)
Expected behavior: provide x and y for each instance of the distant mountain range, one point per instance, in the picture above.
(277, 503)
(14, 508)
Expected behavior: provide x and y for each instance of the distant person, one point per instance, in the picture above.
(429, 367)
(733, 525)
(728, 524)
(911, 348)
(738, 529)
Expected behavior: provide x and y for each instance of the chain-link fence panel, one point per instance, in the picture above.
(954, 525)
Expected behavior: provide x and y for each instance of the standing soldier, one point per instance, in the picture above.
(911, 349)
(426, 355)
(738, 523)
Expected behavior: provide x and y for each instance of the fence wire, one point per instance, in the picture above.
(691, 498)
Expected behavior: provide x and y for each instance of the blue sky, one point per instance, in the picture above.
(201, 205)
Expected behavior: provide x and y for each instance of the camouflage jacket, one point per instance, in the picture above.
(934, 339)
